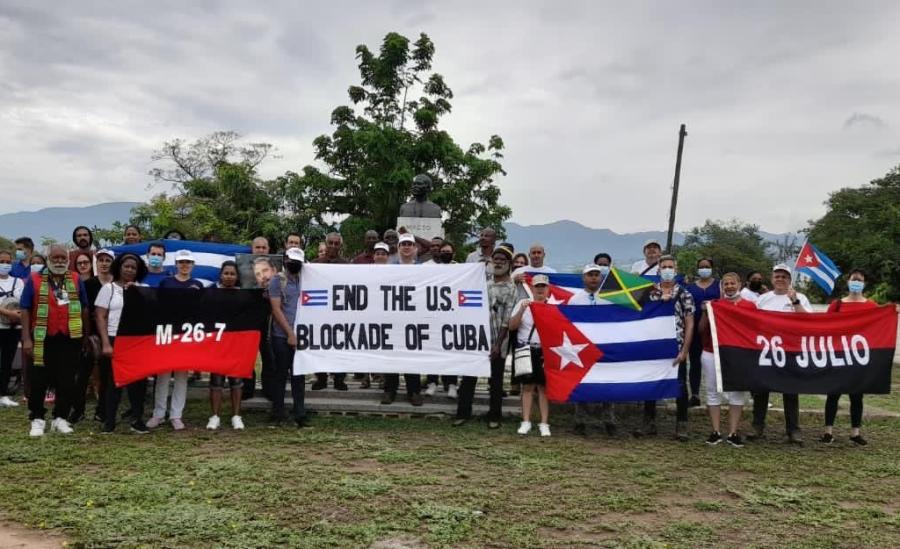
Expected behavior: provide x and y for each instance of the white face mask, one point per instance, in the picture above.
(667, 274)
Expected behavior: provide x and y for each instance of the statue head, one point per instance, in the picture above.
(421, 186)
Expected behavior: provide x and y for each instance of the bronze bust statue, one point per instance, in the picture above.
(420, 206)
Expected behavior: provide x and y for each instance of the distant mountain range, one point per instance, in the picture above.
(568, 244)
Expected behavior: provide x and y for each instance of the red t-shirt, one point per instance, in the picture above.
(706, 335)
(837, 305)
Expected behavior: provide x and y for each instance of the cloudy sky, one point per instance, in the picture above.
(784, 101)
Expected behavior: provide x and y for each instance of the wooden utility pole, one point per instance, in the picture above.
(682, 133)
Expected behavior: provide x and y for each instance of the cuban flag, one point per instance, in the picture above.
(597, 353)
(470, 298)
(818, 266)
(615, 289)
(314, 298)
(208, 256)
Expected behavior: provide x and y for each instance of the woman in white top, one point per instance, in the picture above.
(10, 327)
(127, 270)
(523, 323)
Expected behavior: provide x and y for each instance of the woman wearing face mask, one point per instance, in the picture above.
(731, 287)
(38, 263)
(704, 288)
(853, 301)
(229, 280)
(754, 286)
(10, 324)
(669, 290)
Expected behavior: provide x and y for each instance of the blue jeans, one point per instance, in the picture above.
(284, 366)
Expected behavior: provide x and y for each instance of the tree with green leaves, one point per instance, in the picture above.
(732, 246)
(861, 228)
(388, 136)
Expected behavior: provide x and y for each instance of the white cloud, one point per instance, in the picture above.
(588, 97)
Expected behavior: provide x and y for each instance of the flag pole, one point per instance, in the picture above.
(681, 135)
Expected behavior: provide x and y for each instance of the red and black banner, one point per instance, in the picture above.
(210, 330)
(812, 353)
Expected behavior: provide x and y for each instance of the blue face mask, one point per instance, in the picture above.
(5, 268)
(667, 275)
(37, 268)
(155, 261)
(856, 286)
(20, 255)
(704, 272)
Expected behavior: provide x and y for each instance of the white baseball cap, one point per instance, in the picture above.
(296, 254)
(540, 279)
(383, 246)
(591, 268)
(652, 242)
(106, 252)
(782, 267)
(184, 255)
(407, 237)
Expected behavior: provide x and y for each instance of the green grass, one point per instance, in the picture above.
(350, 482)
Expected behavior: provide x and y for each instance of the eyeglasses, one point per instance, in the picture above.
(82, 262)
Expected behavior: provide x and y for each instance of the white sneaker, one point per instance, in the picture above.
(544, 428)
(154, 422)
(177, 424)
(37, 428)
(237, 423)
(524, 428)
(451, 392)
(7, 402)
(62, 426)
(214, 423)
(431, 390)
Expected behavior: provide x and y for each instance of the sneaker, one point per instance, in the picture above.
(177, 424)
(61, 426)
(7, 402)
(795, 438)
(107, 430)
(493, 424)
(524, 428)
(37, 428)
(714, 438)
(212, 424)
(694, 402)
(237, 423)
(431, 390)
(734, 439)
(154, 422)
(388, 397)
(416, 399)
(318, 385)
(452, 392)
(826, 438)
(341, 386)
(858, 440)
(544, 429)
(459, 422)
(139, 427)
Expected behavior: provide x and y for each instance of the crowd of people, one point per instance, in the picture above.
(64, 309)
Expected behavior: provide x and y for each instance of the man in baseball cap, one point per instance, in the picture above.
(648, 265)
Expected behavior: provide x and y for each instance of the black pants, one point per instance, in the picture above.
(82, 380)
(338, 378)
(112, 395)
(284, 367)
(413, 383)
(856, 410)
(9, 344)
(445, 380)
(61, 356)
(681, 403)
(267, 373)
(791, 411)
(696, 368)
(495, 385)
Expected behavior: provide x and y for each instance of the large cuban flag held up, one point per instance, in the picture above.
(608, 353)
(208, 256)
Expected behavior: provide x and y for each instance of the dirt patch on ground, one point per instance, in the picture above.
(13, 535)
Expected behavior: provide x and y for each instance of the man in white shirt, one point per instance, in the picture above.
(782, 298)
(485, 251)
(648, 265)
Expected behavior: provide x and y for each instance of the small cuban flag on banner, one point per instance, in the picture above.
(469, 298)
(314, 298)
(818, 266)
